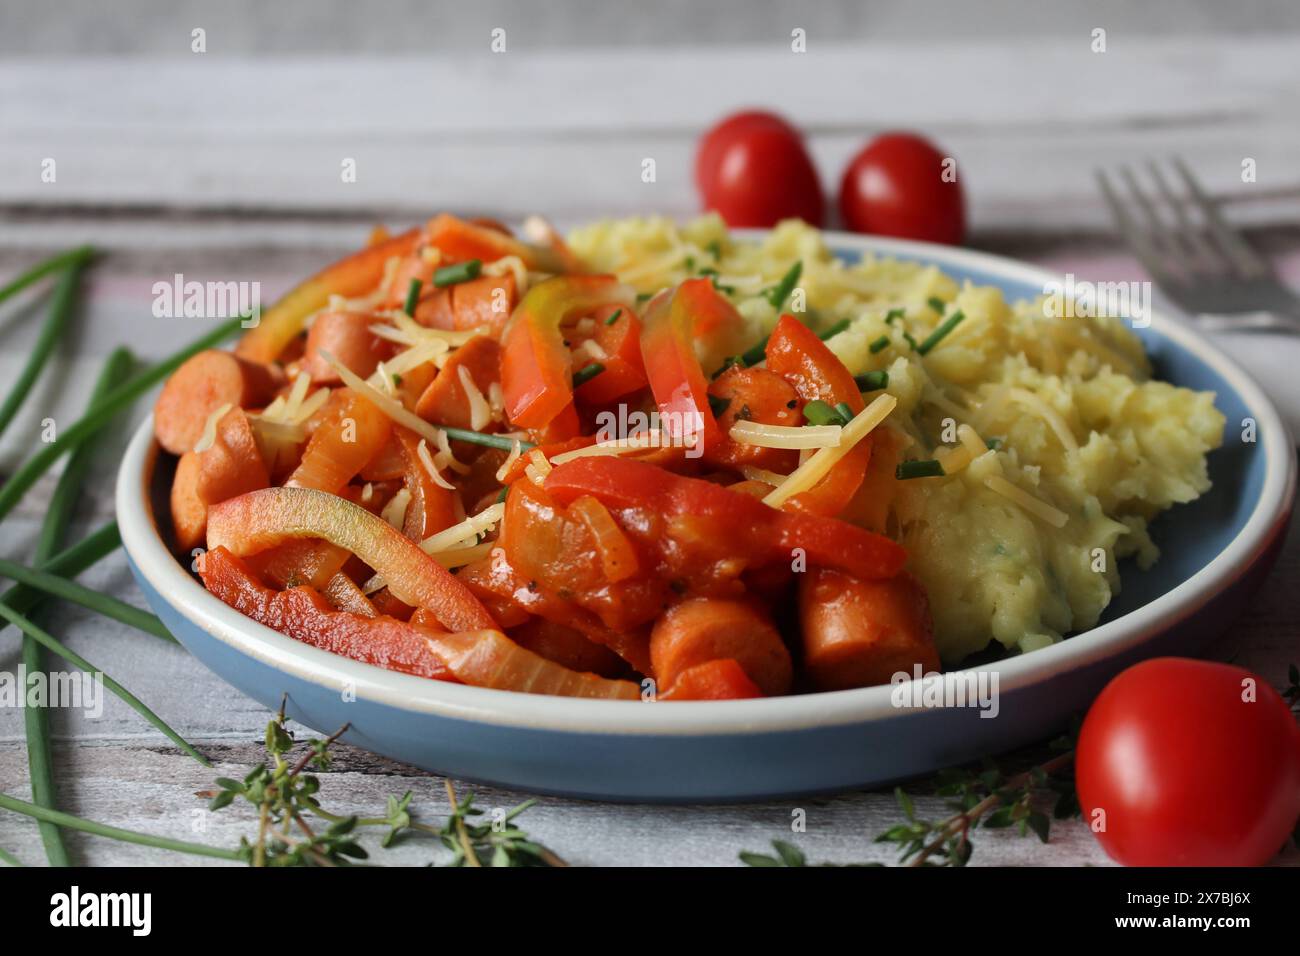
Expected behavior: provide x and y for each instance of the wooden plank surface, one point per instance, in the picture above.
(227, 168)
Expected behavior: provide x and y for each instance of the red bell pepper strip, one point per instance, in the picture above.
(304, 614)
(624, 369)
(459, 241)
(797, 354)
(668, 348)
(713, 680)
(262, 519)
(768, 534)
(353, 276)
(536, 365)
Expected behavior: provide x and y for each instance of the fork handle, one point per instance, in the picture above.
(1250, 322)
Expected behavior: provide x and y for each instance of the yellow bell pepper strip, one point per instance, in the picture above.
(670, 325)
(263, 519)
(536, 365)
(350, 277)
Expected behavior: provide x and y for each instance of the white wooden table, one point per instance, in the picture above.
(222, 168)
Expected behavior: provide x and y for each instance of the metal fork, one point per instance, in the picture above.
(1199, 261)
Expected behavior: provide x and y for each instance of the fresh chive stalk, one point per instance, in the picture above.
(65, 296)
(924, 468)
(460, 272)
(872, 381)
(834, 330)
(51, 643)
(614, 318)
(110, 405)
(53, 527)
(844, 412)
(993, 444)
(937, 304)
(781, 291)
(893, 314)
(938, 335)
(10, 860)
(68, 590)
(879, 345)
(39, 271)
(587, 373)
(113, 833)
(412, 295)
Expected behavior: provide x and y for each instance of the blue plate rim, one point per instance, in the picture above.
(154, 561)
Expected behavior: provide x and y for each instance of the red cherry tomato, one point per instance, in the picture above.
(754, 170)
(1177, 765)
(897, 187)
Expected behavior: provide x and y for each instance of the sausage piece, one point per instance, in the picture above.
(709, 629)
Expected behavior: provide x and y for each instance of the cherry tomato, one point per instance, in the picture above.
(754, 170)
(899, 186)
(1189, 763)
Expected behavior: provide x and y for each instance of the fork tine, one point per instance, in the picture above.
(1200, 246)
(1162, 235)
(1246, 259)
(1132, 233)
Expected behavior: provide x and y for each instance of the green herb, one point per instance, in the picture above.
(397, 379)
(587, 373)
(787, 854)
(907, 337)
(834, 330)
(644, 296)
(715, 248)
(690, 263)
(39, 271)
(926, 468)
(713, 278)
(68, 590)
(460, 272)
(502, 496)
(70, 822)
(718, 405)
(116, 400)
(988, 795)
(58, 514)
(29, 628)
(872, 381)
(65, 295)
(937, 304)
(879, 345)
(755, 354)
(778, 293)
(482, 438)
(993, 444)
(819, 413)
(614, 318)
(893, 314)
(937, 336)
(845, 412)
(10, 860)
(412, 295)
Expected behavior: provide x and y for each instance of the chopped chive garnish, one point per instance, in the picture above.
(872, 381)
(715, 248)
(755, 354)
(614, 318)
(397, 379)
(819, 413)
(690, 263)
(893, 314)
(412, 296)
(460, 272)
(587, 373)
(781, 291)
(937, 304)
(993, 444)
(718, 405)
(835, 329)
(907, 337)
(937, 336)
(879, 345)
(845, 413)
(502, 497)
(644, 296)
(480, 438)
(728, 362)
(927, 468)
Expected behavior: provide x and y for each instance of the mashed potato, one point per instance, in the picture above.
(1081, 436)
